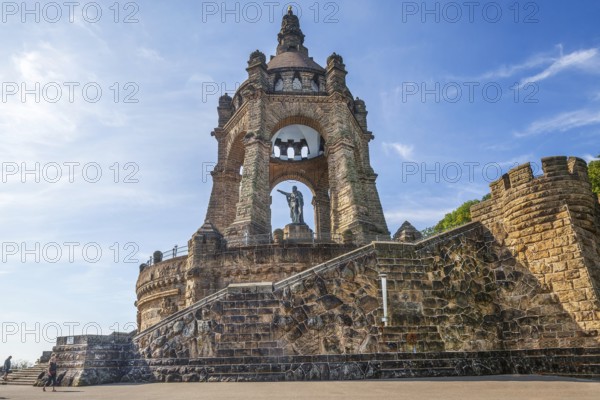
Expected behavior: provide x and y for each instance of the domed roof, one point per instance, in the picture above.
(293, 59)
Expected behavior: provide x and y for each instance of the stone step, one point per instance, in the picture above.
(579, 365)
(17, 383)
(593, 377)
(249, 303)
(417, 372)
(409, 328)
(402, 339)
(246, 337)
(29, 376)
(264, 352)
(593, 359)
(430, 345)
(26, 376)
(247, 377)
(417, 363)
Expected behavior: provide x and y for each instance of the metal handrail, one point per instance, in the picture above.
(176, 251)
(267, 238)
(255, 240)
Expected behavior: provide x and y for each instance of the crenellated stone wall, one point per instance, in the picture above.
(550, 224)
(458, 291)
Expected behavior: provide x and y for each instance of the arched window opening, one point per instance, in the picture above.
(304, 152)
(297, 142)
(278, 84)
(297, 83)
(315, 84)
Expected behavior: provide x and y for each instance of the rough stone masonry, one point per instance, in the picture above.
(515, 291)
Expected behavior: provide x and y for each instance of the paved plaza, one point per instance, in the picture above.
(476, 388)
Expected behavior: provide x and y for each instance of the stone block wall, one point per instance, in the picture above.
(462, 298)
(160, 291)
(92, 359)
(477, 295)
(459, 291)
(266, 263)
(550, 224)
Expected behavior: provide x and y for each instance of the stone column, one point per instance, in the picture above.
(378, 227)
(253, 212)
(223, 198)
(322, 211)
(343, 180)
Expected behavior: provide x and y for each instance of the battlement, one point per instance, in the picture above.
(553, 167)
(563, 181)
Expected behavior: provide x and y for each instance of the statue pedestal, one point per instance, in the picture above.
(297, 233)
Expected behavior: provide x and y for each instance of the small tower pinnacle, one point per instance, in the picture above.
(290, 37)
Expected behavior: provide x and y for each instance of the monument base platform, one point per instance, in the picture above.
(297, 233)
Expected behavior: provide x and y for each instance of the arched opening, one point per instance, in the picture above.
(296, 142)
(280, 210)
(278, 86)
(297, 155)
(297, 82)
(314, 84)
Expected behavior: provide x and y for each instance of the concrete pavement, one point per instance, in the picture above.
(509, 387)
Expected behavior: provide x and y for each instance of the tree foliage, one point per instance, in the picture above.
(456, 218)
(594, 174)
(462, 214)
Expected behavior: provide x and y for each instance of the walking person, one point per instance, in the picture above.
(52, 367)
(6, 368)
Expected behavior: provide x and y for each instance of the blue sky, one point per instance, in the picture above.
(440, 89)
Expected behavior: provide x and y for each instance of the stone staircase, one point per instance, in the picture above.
(394, 338)
(405, 272)
(575, 363)
(584, 366)
(26, 376)
(247, 328)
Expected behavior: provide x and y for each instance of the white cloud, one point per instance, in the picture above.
(562, 123)
(586, 59)
(506, 71)
(149, 54)
(405, 151)
(583, 59)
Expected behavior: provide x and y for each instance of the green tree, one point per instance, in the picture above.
(594, 174)
(456, 218)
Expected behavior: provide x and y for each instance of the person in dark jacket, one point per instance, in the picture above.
(6, 367)
(52, 367)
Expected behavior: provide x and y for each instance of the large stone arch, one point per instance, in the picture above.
(236, 152)
(345, 194)
(281, 113)
(295, 120)
(314, 174)
(293, 176)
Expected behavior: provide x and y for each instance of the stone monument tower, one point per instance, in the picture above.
(515, 291)
(294, 120)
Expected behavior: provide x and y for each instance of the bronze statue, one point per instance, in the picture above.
(296, 203)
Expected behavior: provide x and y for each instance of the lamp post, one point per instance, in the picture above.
(383, 278)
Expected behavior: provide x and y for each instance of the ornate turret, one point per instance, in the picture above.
(360, 112)
(290, 37)
(292, 119)
(336, 74)
(224, 109)
(407, 233)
